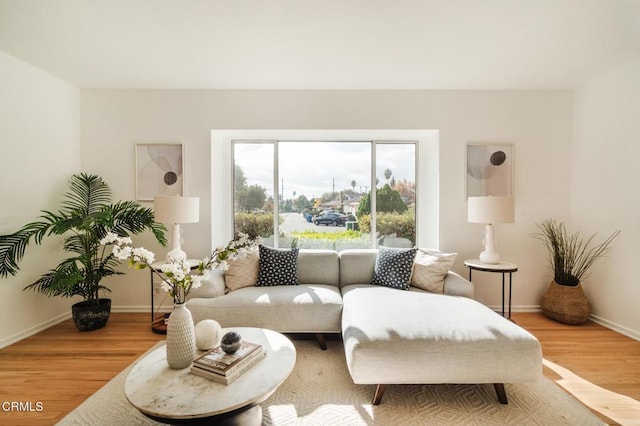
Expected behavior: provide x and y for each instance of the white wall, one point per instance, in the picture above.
(538, 123)
(40, 149)
(604, 188)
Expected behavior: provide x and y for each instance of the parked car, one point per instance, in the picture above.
(335, 219)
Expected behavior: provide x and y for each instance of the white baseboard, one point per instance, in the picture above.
(139, 309)
(615, 327)
(598, 320)
(147, 309)
(519, 308)
(34, 330)
(526, 308)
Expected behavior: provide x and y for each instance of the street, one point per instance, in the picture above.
(297, 222)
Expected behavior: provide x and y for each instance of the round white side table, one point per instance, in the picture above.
(501, 267)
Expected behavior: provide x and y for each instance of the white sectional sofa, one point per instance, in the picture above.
(313, 306)
(390, 336)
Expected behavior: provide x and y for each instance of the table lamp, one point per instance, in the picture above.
(490, 210)
(176, 210)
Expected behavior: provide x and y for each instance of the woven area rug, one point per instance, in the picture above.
(319, 391)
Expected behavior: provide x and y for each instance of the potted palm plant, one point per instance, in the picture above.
(570, 259)
(85, 217)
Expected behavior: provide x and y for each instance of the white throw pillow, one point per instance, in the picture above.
(243, 271)
(430, 267)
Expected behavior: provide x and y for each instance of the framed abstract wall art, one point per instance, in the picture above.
(159, 170)
(489, 169)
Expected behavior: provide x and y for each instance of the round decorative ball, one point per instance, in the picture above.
(231, 342)
(207, 334)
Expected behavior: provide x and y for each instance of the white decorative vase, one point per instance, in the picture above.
(181, 341)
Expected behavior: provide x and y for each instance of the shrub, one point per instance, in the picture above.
(254, 224)
(402, 225)
(387, 200)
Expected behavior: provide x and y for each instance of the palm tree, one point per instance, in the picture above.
(85, 218)
(387, 174)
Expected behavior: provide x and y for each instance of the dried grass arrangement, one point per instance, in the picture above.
(570, 256)
(570, 259)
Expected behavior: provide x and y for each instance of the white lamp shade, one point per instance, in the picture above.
(490, 210)
(172, 209)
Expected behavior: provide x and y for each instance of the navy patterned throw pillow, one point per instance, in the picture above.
(393, 267)
(277, 266)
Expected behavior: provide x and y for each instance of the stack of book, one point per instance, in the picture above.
(217, 365)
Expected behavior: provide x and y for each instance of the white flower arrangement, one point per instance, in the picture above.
(177, 277)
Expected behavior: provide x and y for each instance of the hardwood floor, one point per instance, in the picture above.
(61, 367)
(604, 366)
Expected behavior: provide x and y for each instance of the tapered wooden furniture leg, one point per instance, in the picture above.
(377, 396)
(321, 342)
(501, 393)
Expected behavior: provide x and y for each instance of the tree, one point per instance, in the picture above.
(239, 185)
(330, 196)
(387, 200)
(239, 179)
(387, 174)
(302, 202)
(253, 197)
(407, 191)
(287, 205)
(353, 185)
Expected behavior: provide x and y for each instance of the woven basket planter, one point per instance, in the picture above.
(565, 304)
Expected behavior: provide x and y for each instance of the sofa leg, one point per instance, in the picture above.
(501, 393)
(377, 396)
(321, 342)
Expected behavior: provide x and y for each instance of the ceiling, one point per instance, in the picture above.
(321, 44)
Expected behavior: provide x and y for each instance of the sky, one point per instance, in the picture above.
(314, 168)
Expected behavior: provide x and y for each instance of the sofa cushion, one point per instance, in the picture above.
(277, 266)
(393, 267)
(318, 266)
(243, 271)
(304, 308)
(430, 267)
(356, 266)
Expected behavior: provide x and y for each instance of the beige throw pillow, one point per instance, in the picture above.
(243, 271)
(430, 268)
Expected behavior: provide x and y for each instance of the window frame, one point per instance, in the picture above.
(426, 170)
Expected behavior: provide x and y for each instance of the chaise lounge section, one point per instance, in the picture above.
(417, 337)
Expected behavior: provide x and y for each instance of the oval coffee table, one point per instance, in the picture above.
(177, 396)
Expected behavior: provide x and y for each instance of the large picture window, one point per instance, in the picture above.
(325, 194)
(375, 149)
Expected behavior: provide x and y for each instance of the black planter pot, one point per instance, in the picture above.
(88, 316)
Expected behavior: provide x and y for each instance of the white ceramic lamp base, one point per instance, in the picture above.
(175, 251)
(489, 255)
